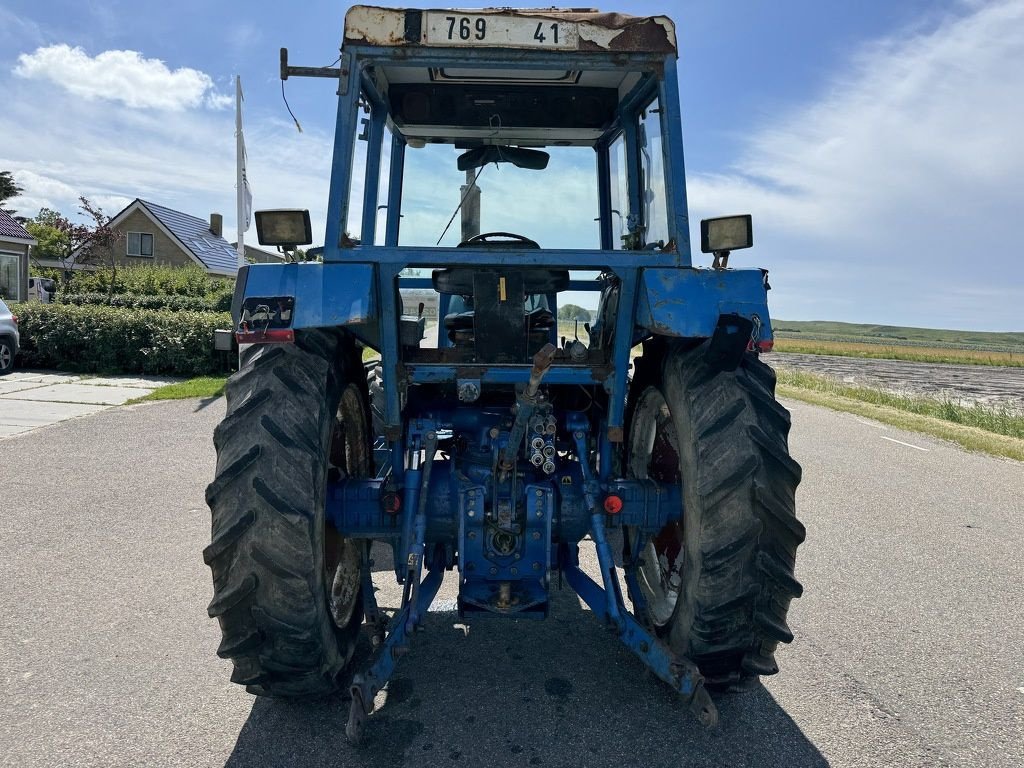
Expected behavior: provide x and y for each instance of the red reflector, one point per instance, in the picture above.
(612, 504)
(270, 336)
(391, 502)
(761, 346)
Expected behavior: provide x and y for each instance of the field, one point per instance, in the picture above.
(926, 345)
(920, 354)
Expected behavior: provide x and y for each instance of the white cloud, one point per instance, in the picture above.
(124, 76)
(897, 180)
(112, 153)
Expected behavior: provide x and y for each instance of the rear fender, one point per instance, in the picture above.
(688, 302)
(324, 295)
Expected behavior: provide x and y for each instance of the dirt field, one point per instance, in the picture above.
(989, 385)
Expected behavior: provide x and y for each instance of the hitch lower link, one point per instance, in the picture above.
(606, 602)
(416, 595)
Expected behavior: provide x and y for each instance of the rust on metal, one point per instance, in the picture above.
(612, 32)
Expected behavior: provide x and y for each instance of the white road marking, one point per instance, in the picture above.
(893, 440)
(869, 423)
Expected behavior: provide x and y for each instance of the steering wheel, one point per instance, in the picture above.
(510, 239)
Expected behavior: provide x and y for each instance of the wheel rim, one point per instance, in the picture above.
(349, 457)
(654, 455)
(6, 356)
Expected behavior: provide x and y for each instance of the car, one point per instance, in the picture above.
(41, 289)
(9, 339)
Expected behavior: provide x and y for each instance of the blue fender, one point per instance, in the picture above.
(326, 295)
(687, 302)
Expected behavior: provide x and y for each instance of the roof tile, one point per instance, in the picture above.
(215, 252)
(10, 228)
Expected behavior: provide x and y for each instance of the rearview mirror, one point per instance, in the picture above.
(726, 233)
(286, 227)
(533, 159)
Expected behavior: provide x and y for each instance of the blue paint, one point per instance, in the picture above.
(687, 302)
(508, 526)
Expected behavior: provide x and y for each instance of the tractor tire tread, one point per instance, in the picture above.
(266, 552)
(733, 435)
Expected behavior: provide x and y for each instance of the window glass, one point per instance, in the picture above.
(139, 244)
(555, 207)
(9, 274)
(383, 186)
(652, 162)
(618, 180)
(354, 227)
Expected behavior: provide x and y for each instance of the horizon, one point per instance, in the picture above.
(877, 147)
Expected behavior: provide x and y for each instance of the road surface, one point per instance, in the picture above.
(909, 649)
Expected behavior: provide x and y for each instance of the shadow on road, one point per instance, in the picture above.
(206, 402)
(561, 692)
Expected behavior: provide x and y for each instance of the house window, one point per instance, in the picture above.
(10, 276)
(140, 244)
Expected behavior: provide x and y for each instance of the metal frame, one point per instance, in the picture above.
(654, 292)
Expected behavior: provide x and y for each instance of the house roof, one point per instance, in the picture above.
(213, 251)
(252, 252)
(12, 230)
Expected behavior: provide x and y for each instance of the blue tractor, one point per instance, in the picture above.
(487, 442)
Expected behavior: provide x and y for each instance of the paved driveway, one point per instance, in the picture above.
(909, 649)
(33, 399)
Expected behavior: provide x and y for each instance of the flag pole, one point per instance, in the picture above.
(240, 173)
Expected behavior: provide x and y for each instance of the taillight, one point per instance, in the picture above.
(15, 319)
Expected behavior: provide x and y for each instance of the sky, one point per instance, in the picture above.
(878, 145)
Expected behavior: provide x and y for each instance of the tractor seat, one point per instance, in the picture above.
(539, 319)
(459, 280)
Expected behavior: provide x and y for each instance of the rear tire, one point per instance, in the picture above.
(718, 583)
(6, 355)
(286, 584)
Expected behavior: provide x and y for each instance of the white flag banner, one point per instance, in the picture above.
(243, 192)
(246, 189)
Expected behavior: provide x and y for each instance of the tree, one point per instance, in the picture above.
(99, 247)
(8, 188)
(72, 243)
(573, 312)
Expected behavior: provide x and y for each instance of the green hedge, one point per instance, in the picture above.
(98, 339)
(143, 280)
(214, 303)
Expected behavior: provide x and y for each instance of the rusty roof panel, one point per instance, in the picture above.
(612, 32)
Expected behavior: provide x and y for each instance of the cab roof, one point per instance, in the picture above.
(588, 28)
(532, 77)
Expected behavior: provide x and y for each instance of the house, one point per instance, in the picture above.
(254, 255)
(15, 244)
(155, 234)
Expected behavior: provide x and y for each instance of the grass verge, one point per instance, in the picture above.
(895, 352)
(996, 431)
(202, 386)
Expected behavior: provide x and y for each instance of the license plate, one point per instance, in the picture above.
(462, 29)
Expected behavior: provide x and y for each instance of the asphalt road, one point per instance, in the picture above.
(909, 649)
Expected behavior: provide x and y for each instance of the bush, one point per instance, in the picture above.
(103, 339)
(213, 303)
(146, 280)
